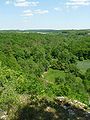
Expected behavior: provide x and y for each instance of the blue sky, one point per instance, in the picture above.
(44, 14)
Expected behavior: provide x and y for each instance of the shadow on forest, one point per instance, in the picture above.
(48, 110)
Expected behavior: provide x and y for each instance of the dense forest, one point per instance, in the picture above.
(37, 64)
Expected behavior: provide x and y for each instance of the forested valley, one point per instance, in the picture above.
(38, 67)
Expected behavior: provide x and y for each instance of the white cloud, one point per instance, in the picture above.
(77, 3)
(41, 11)
(25, 3)
(22, 3)
(8, 2)
(57, 9)
(27, 13)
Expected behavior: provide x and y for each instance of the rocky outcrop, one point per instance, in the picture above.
(3, 115)
(69, 102)
(60, 108)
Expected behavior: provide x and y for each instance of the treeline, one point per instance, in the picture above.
(35, 52)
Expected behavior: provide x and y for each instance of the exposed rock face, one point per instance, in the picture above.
(65, 101)
(3, 115)
(61, 108)
(75, 109)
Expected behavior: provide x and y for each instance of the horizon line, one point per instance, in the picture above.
(44, 29)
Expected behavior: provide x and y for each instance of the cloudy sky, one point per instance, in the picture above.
(44, 14)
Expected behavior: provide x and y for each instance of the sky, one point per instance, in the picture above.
(44, 14)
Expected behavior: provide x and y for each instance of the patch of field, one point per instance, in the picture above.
(83, 65)
(52, 74)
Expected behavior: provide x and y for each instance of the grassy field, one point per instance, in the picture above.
(52, 74)
(83, 65)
